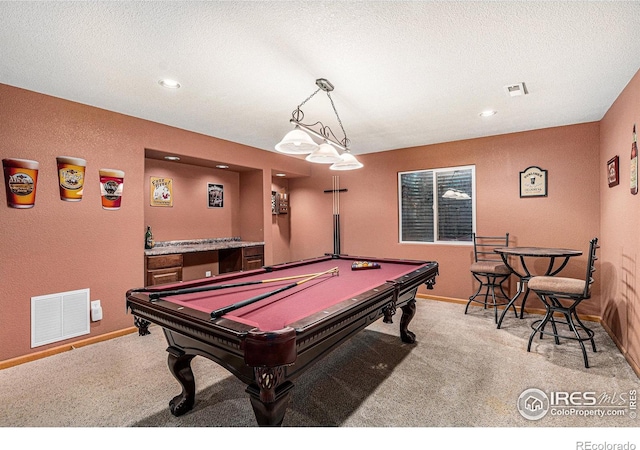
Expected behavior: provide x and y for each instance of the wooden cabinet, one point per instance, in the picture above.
(163, 269)
(252, 257)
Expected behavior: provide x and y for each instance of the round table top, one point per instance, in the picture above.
(538, 251)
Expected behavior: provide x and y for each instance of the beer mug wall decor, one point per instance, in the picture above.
(71, 175)
(20, 177)
(111, 186)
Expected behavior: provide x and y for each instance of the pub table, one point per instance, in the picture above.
(558, 259)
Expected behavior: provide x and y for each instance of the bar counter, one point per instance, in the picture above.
(198, 245)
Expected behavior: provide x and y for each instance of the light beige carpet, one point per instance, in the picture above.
(462, 372)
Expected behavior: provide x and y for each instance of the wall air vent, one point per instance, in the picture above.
(60, 316)
(515, 90)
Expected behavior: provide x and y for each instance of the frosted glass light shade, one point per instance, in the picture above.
(347, 162)
(456, 195)
(296, 142)
(325, 154)
(449, 194)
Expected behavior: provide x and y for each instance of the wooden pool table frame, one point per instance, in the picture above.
(269, 361)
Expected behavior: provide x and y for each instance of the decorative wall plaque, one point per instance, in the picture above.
(533, 182)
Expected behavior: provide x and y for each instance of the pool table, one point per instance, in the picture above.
(282, 319)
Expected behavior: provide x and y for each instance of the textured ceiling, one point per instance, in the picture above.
(405, 73)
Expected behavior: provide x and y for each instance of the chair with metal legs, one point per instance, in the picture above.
(563, 295)
(490, 272)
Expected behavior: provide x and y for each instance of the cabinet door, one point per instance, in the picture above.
(253, 257)
(252, 263)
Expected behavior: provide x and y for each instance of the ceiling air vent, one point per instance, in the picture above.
(515, 90)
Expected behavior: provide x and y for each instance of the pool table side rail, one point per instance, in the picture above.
(329, 256)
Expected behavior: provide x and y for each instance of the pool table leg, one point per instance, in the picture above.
(180, 366)
(408, 311)
(269, 409)
(142, 325)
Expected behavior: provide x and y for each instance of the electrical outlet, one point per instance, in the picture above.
(207, 273)
(96, 311)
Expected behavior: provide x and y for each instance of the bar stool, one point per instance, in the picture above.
(490, 271)
(553, 291)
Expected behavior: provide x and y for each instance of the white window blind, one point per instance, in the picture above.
(437, 205)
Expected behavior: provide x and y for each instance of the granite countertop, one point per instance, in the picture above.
(197, 245)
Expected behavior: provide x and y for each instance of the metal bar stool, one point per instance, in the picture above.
(490, 271)
(553, 291)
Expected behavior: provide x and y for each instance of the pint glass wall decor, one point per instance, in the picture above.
(111, 186)
(71, 177)
(21, 177)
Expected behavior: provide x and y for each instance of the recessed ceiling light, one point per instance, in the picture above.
(488, 113)
(281, 174)
(169, 84)
(222, 166)
(172, 158)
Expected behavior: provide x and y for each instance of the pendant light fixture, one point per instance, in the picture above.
(299, 141)
(455, 194)
(296, 142)
(347, 162)
(324, 154)
(452, 193)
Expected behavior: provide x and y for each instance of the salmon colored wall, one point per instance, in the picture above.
(620, 252)
(190, 216)
(50, 247)
(58, 246)
(253, 216)
(568, 217)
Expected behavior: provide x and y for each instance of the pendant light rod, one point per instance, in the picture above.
(324, 133)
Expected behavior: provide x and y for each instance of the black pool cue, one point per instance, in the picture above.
(222, 311)
(336, 213)
(157, 295)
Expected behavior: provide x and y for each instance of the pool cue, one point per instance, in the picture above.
(222, 311)
(335, 191)
(157, 295)
(336, 215)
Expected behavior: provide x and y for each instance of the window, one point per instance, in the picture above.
(447, 216)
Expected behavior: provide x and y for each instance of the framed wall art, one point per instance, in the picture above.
(161, 191)
(533, 182)
(613, 171)
(215, 195)
(274, 202)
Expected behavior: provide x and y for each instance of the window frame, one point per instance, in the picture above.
(434, 185)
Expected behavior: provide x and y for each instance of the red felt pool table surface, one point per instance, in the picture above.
(270, 342)
(280, 310)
